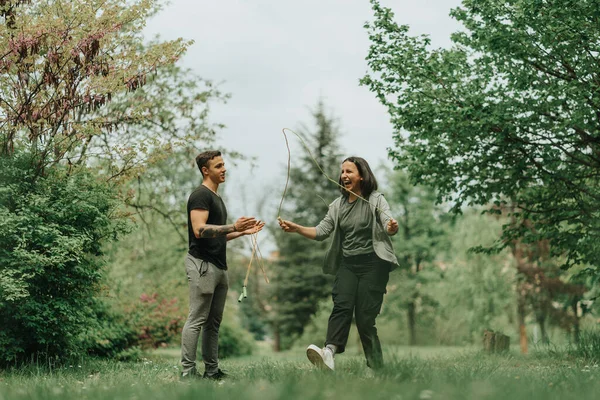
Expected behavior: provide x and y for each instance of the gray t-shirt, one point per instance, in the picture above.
(356, 225)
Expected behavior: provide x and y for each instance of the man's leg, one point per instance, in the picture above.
(210, 334)
(201, 296)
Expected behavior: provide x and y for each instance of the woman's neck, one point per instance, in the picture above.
(352, 196)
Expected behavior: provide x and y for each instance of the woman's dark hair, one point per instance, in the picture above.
(203, 158)
(368, 183)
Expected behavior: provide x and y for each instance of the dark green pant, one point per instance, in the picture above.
(358, 289)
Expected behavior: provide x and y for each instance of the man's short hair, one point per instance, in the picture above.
(203, 158)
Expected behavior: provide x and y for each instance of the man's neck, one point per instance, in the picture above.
(211, 185)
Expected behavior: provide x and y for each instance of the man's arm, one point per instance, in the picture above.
(203, 230)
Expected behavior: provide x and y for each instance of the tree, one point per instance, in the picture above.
(509, 114)
(68, 71)
(62, 61)
(421, 238)
(476, 291)
(540, 286)
(299, 283)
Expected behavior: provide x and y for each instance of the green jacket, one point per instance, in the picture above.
(382, 244)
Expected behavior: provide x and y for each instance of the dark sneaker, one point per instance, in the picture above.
(190, 375)
(217, 376)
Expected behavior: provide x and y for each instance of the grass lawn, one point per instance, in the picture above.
(410, 373)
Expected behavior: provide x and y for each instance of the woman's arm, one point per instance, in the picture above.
(389, 223)
(291, 227)
(319, 232)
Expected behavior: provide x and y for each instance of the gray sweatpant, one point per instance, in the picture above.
(208, 292)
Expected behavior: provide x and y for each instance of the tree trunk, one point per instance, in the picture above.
(540, 317)
(576, 328)
(276, 339)
(412, 335)
(521, 317)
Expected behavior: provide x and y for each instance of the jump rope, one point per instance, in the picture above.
(256, 253)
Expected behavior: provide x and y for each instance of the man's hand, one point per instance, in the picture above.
(392, 226)
(244, 223)
(255, 229)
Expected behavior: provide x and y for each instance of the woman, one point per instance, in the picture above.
(360, 256)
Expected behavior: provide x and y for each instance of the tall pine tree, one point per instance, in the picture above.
(299, 283)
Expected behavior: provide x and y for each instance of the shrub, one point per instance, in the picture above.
(52, 227)
(156, 320)
(234, 342)
(109, 334)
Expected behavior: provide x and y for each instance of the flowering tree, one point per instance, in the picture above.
(62, 61)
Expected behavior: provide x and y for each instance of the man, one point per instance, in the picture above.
(206, 265)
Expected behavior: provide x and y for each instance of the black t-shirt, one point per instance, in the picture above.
(212, 250)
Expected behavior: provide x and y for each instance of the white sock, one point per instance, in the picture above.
(331, 347)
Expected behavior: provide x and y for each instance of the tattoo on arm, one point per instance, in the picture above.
(213, 231)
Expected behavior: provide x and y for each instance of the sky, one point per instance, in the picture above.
(277, 58)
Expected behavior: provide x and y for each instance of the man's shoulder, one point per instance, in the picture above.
(200, 193)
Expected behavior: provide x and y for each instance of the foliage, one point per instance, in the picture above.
(299, 283)
(508, 114)
(108, 333)
(457, 294)
(150, 260)
(52, 229)
(477, 291)
(157, 320)
(62, 61)
(234, 342)
(423, 234)
(80, 86)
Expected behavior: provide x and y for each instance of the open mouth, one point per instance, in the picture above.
(347, 184)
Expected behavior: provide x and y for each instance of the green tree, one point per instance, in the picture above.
(422, 236)
(509, 113)
(476, 291)
(299, 282)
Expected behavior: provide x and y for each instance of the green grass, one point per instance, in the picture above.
(410, 373)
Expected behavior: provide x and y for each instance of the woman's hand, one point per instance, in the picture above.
(392, 226)
(288, 226)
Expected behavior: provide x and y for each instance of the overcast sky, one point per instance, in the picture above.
(277, 58)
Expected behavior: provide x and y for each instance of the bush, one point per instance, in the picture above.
(52, 226)
(109, 334)
(156, 320)
(234, 342)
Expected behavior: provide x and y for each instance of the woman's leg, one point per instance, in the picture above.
(372, 281)
(340, 320)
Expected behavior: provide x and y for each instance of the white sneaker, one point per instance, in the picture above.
(322, 358)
